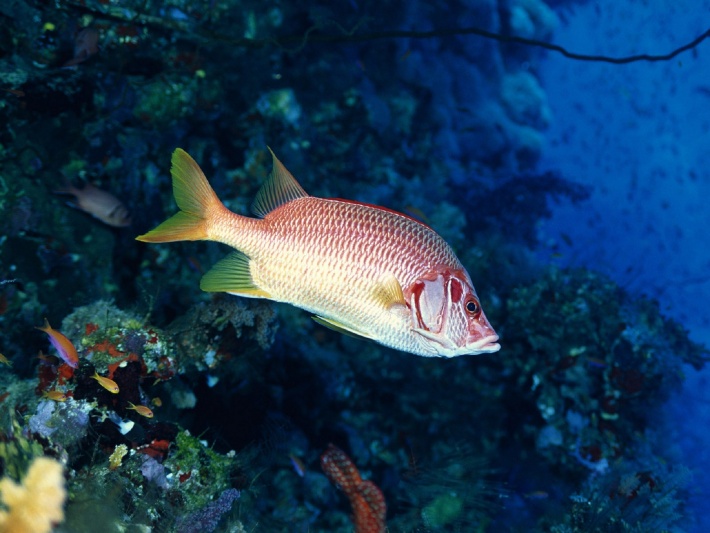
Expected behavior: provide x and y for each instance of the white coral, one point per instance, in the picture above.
(532, 19)
(525, 100)
(37, 503)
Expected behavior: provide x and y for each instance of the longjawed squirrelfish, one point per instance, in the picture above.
(361, 269)
(62, 344)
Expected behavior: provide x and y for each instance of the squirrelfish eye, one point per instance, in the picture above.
(473, 307)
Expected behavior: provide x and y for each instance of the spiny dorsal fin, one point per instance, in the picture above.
(280, 188)
(232, 275)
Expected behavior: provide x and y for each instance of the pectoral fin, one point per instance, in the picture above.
(232, 275)
(340, 328)
(388, 292)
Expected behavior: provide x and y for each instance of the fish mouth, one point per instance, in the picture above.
(487, 344)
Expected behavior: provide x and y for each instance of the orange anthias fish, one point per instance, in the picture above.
(64, 347)
(141, 410)
(99, 204)
(107, 383)
(55, 395)
(361, 269)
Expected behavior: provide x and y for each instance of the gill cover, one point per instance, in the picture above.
(446, 312)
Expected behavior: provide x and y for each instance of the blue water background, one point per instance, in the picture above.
(639, 135)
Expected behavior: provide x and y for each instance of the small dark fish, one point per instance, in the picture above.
(99, 204)
(86, 44)
(537, 495)
(16, 92)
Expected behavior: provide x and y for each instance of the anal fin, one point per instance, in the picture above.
(340, 327)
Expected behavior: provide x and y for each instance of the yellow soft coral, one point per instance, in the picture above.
(37, 503)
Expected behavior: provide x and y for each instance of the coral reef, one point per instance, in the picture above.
(208, 518)
(591, 396)
(36, 505)
(149, 451)
(512, 207)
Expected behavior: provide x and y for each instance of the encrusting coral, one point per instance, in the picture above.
(36, 504)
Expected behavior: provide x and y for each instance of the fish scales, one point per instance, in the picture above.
(361, 269)
(328, 255)
(353, 242)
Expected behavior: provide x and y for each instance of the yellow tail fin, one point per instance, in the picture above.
(196, 200)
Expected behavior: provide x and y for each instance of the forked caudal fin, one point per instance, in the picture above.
(195, 198)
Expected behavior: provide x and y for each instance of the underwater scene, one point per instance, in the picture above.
(358, 266)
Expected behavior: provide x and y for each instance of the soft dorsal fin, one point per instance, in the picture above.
(280, 188)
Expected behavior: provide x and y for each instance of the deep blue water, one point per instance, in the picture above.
(638, 135)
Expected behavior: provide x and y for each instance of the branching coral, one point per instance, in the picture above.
(37, 503)
(366, 499)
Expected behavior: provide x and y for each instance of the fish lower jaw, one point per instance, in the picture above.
(432, 345)
(487, 344)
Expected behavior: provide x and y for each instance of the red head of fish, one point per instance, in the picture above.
(446, 311)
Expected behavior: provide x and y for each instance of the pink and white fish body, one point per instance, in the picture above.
(360, 269)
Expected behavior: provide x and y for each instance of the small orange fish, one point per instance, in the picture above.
(157, 402)
(141, 410)
(4, 360)
(49, 359)
(297, 464)
(108, 384)
(63, 345)
(99, 204)
(16, 92)
(55, 395)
